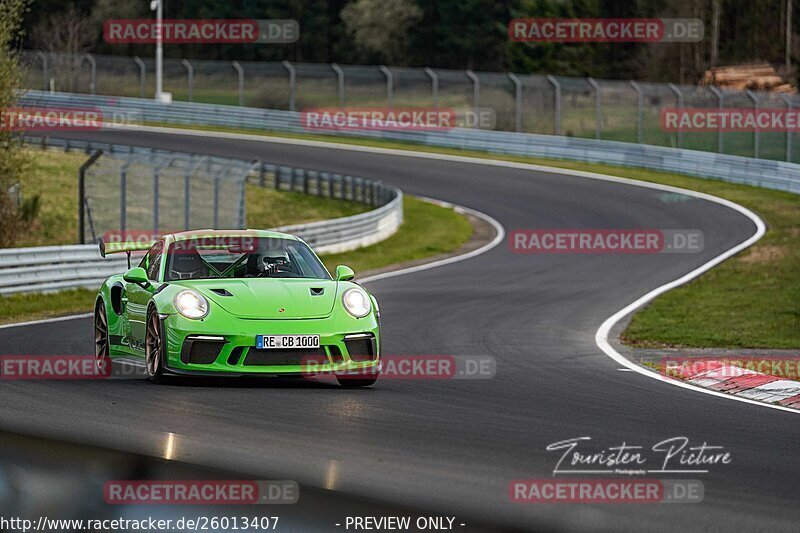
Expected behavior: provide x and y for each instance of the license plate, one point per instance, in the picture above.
(283, 342)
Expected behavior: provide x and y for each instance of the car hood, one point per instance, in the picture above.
(270, 298)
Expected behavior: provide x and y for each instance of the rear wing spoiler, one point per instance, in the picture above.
(124, 246)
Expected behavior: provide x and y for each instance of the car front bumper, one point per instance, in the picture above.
(227, 346)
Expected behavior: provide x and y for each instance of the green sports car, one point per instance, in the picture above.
(236, 303)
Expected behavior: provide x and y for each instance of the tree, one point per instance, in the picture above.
(66, 35)
(13, 160)
(381, 26)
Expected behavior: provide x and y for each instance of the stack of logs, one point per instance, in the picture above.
(761, 77)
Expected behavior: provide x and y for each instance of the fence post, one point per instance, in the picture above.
(721, 105)
(43, 57)
(216, 199)
(788, 102)
(339, 82)
(187, 190)
(123, 194)
(434, 86)
(476, 95)
(756, 134)
(674, 88)
(389, 85)
(157, 191)
(292, 85)
(639, 112)
(517, 100)
(240, 72)
(598, 110)
(142, 73)
(82, 194)
(556, 103)
(93, 79)
(189, 78)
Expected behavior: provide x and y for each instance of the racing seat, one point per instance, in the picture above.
(187, 264)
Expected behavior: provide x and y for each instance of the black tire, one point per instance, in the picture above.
(155, 349)
(102, 348)
(357, 382)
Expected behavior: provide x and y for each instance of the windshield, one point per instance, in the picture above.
(236, 257)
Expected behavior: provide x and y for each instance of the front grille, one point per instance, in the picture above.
(268, 357)
(201, 352)
(361, 350)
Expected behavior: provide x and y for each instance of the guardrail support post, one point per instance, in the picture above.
(339, 82)
(389, 85)
(434, 86)
(82, 194)
(674, 88)
(556, 104)
(142, 74)
(476, 96)
(639, 112)
(240, 72)
(756, 134)
(517, 101)
(189, 78)
(598, 110)
(721, 105)
(292, 85)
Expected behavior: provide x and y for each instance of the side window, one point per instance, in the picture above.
(152, 260)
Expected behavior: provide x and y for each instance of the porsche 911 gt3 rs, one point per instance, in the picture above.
(237, 303)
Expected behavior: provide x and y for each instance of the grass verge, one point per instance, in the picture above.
(750, 301)
(428, 230)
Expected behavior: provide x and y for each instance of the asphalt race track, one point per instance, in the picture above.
(454, 445)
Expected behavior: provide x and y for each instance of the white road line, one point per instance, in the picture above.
(499, 236)
(46, 320)
(601, 337)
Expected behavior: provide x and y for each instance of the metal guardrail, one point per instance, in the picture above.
(52, 268)
(620, 110)
(761, 172)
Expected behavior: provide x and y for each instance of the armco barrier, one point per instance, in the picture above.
(52, 268)
(762, 172)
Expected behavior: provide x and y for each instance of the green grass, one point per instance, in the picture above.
(268, 208)
(428, 230)
(23, 307)
(750, 301)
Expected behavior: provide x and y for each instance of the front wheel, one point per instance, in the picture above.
(102, 351)
(155, 348)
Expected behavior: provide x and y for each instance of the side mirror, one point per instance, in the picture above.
(136, 275)
(344, 273)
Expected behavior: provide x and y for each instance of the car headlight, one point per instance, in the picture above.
(191, 305)
(356, 302)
